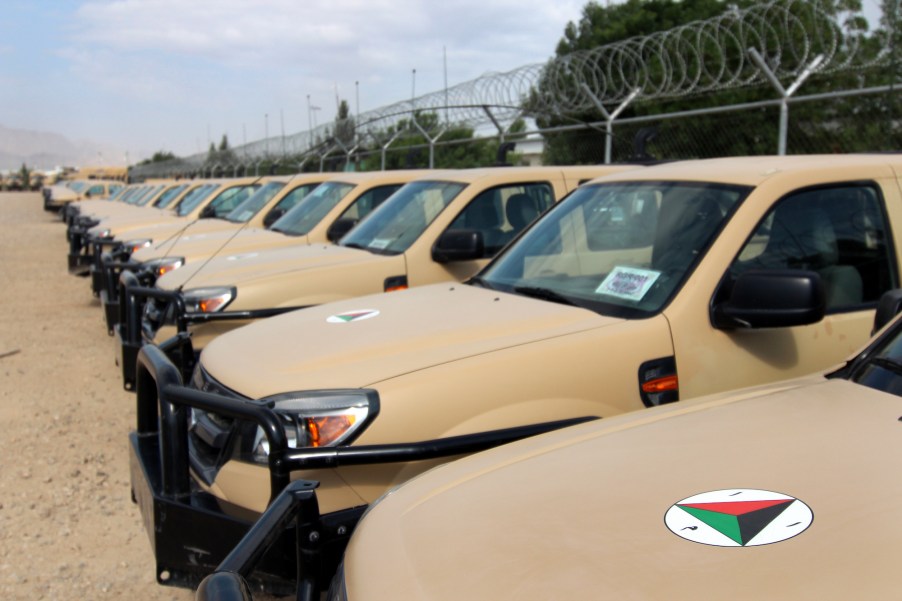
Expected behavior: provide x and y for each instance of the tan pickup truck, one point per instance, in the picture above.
(61, 194)
(151, 249)
(782, 491)
(87, 231)
(442, 226)
(321, 216)
(640, 289)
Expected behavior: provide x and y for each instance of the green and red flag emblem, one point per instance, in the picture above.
(738, 517)
(349, 316)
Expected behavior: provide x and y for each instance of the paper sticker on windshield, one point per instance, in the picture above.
(241, 257)
(347, 316)
(628, 283)
(738, 517)
(380, 243)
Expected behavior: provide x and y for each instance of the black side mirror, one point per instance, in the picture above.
(272, 217)
(341, 227)
(458, 245)
(207, 211)
(772, 299)
(889, 306)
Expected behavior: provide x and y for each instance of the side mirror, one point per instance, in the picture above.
(207, 212)
(458, 245)
(889, 306)
(772, 299)
(272, 217)
(341, 227)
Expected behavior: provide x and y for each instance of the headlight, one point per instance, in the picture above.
(164, 265)
(207, 300)
(319, 418)
(132, 246)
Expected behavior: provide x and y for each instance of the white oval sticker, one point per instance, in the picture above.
(348, 316)
(738, 517)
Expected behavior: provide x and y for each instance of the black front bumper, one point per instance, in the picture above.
(191, 531)
(126, 321)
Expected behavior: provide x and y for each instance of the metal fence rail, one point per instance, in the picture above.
(770, 49)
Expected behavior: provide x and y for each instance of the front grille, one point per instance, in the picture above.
(157, 313)
(211, 437)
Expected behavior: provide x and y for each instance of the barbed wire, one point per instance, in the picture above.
(697, 58)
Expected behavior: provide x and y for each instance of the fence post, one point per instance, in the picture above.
(431, 140)
(785, 94)
(609, 117)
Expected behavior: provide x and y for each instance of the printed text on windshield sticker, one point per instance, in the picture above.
(628, 283)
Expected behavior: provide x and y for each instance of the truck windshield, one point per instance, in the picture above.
(148, 194)
(250, 207)
(620, 249)
(304, 216)
(169, 195)
(194, 198)
(400, 220)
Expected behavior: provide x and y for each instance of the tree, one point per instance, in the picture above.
(749, 132)
(24, 176)
(159, 156)
(345, 128)
(222, 156)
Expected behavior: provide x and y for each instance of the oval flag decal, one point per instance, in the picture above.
(738, 517)
(348, 316)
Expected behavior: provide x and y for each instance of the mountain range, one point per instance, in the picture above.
(46, 150)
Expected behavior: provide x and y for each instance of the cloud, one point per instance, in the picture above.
(171, 73)
(323, 34)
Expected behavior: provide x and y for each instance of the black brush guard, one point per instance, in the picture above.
(132, 331)
(84, 252)
(291, 546)
(113, 265)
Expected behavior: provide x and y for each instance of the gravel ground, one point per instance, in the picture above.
(68, 528)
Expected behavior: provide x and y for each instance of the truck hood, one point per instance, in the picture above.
(205, 237)
(131, 220)
(604, 507)
(230, 269)
(362, 341)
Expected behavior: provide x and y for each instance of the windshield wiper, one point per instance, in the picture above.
(354, 245)
(545, 294)
(888, 364)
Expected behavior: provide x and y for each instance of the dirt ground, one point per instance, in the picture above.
(68, 528)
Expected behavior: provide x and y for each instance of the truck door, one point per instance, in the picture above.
(838, 231)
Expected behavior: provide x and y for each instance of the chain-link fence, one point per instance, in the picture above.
(786, 76)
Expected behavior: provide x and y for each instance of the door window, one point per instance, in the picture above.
(839, 233)
(501, 213)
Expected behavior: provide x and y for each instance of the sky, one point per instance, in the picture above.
(174, 75)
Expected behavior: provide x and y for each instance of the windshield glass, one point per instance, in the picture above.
(250, 207)
(881, 367)
(169, 195)
(194, 198)
(621, 249)
(118, 194)
(147, 195)
(304, 216)
(400, 220)
(77, 186)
